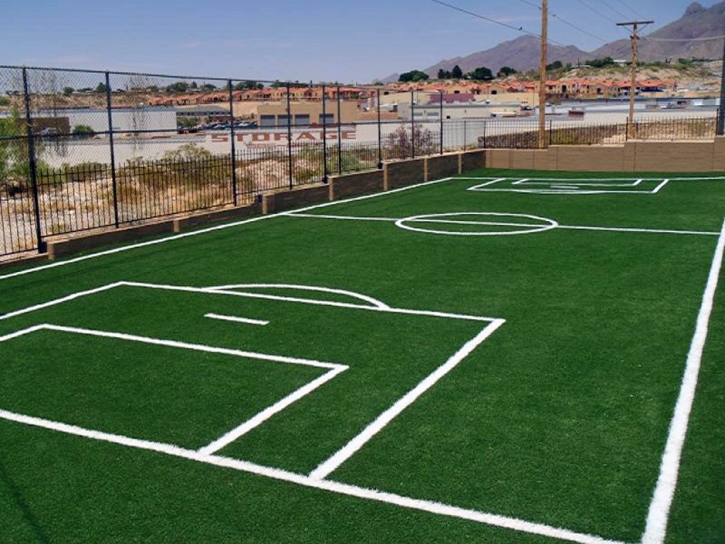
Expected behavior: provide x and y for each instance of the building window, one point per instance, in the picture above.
(302, 120)
(266, 121)
(282, 120)
(327, 119)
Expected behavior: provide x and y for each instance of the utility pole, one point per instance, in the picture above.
(634, 38)
(542, 74)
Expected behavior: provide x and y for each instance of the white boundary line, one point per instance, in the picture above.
(324, 485)
(330, 465)
(174, 237)
(656, 528)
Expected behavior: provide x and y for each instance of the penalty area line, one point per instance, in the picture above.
(338, 488)
(354, 445)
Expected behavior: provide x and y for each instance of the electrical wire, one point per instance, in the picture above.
(554, 15)
(517, 29)
(630, 8)
(610, 6)
(682, 39)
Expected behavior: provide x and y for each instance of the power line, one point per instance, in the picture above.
(517, 29)
(566, 22)
(597, 12)
(630, 8)
(610, 6)
(682, 39)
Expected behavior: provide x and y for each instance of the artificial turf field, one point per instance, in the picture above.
(499, 357)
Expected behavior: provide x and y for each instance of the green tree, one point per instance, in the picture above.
(601, 63)
(186, 152)
(67, 91)
(83, 131)
(14, 161)
(444, 74)
(101, 88)
(178, 87)
(556, 65)
(456, 73)
(412, 76)
(506, 71)
(480, 74)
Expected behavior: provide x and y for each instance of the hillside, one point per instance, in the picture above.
(680, 39)
(521, 54)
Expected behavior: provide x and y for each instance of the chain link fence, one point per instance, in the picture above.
(91, 150)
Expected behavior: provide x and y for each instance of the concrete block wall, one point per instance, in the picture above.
(441, 166)
(634, 156)
(295, 198)
(350, 185)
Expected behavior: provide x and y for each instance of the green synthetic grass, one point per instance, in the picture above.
(559, 418)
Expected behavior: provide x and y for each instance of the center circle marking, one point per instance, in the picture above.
(521, 223)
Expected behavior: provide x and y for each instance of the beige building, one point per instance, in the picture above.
(274, 114)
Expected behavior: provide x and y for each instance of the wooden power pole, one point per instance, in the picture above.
(542, 74)
(634, 38)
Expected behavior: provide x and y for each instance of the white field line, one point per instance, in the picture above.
(267, 413)
(566, 227)
(343, 217)
(638, 230)
(211, 229)
(323, 485)
(192, 347)
(568, 180)
(60, 300)
(575, 186)
(347, 451)
(23, 332)
(659, 509)
(657, 189)
(384, 308)
(351, 294)
(235, 319)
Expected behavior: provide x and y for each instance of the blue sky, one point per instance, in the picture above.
(298, 40)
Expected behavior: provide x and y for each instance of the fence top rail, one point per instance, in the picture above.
(191, 77)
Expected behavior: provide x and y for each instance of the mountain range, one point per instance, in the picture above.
(682, 38)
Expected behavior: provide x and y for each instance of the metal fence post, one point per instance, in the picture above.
(339, 133)
(41, 246)
(551, 130)
(412, 124)
(289, 135)
(441, 124)
(233, 143)
(109, 106)
(380, 135)
(324, 134)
